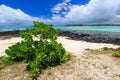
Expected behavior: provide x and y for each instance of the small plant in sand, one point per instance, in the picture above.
(106, 49)
(38, 54)
(117, 53)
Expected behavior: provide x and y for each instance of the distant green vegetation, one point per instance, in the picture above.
(92, 25)
(38, 54)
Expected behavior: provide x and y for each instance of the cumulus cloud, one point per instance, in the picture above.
(95, 11)
(63, 6)
(10, 16)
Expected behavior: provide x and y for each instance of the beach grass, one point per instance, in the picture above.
(5, 61)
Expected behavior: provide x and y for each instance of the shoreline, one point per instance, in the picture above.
(93, 37)
(73, 42)
(9, 34)
(74, 35)
(72, 46)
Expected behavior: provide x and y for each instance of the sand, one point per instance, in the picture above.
(84, 66)
(72, 46)
(4, 44)
(91, 65)
(77, 47)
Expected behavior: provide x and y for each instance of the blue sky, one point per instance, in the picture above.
(37, 7)
(17, 12)
(32, 7)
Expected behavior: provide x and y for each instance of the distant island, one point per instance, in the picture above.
(92, 25)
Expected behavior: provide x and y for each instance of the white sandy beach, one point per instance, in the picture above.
(72, 46)
(85, 66)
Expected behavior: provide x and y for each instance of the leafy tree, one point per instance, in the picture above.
(40, 53)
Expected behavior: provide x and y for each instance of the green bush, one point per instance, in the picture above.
(21, 51)
(117, 53)
(40, 53)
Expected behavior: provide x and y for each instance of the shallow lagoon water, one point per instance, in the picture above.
(94, 31)
(68, 28)
(90, 28)
(106, 31)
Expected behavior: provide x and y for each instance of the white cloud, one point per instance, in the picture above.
(61, 6)
(95, 11)
(16, 17)
(10, 16)
(67, 0)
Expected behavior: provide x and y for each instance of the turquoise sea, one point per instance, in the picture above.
(95, 31)
(70, 28)
(90, 28)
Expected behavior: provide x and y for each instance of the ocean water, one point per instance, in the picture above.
(94, 31)
(12, 28)
(69, 28)
(90, 28)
